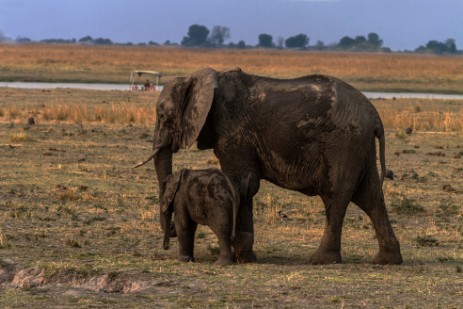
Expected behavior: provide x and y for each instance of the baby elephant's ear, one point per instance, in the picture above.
(170, 189)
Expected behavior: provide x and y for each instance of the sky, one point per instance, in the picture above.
(401, 24)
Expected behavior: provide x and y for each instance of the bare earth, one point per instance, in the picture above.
(80, 228)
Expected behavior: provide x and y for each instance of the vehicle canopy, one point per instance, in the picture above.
(138, 73)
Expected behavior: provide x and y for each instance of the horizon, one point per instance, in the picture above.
(402, 25)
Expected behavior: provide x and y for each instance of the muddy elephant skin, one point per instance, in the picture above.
(314, 134)
(206, 197)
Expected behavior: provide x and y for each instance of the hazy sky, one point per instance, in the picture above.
(402, 24)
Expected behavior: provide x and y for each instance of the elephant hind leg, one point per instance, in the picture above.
(369, 197)
(329, 251)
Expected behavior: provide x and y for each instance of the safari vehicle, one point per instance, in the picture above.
(148, 85)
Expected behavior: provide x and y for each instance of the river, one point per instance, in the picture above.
(126, 87)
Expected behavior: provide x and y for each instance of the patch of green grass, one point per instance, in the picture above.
(426, 241)
(406, 206)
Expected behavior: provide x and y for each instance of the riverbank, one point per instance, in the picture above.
(113, 64)
(126, 87)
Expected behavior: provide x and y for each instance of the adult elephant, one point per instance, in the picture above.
(313, 134)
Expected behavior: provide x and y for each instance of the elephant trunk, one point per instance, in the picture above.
(163, 166)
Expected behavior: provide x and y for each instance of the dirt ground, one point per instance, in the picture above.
(80, 228)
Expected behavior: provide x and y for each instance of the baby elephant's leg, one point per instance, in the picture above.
(223, 232)
(225, 255)
(186, 241)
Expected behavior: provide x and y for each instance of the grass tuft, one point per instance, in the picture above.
(426, 241)
(407, 206)
(20, 137)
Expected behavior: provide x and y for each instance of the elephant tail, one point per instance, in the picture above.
(379, 132)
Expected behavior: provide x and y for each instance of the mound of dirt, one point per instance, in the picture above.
(36, 278)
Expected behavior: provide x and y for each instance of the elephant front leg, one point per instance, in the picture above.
(186, 241)
(244, 235)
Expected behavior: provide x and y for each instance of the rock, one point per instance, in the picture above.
(448, 188)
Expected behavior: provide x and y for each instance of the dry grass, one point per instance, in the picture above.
(77, 106)
(113, 64)
(422, 115)
(118, 107)
(84, 227)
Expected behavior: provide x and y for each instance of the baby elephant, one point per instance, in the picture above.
(205, 197)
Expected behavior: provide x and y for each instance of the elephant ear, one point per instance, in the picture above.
(170, 189)
(198, 104)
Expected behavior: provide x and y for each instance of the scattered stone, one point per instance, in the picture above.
(397, 153)
(408, 131)
(448, 188)
(437, 153)
(408, 151)
(29, 278)
(31, 121)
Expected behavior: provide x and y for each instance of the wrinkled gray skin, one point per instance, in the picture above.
(206, 197)
(313, 134)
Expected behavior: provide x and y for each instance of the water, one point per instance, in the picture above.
(86, 86)
(412, 95)
(126, 87)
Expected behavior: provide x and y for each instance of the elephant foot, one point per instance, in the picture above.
(246, 257)
(186, 258)
(388, 258)
(321, 257)
(243, 247)
(224, 261)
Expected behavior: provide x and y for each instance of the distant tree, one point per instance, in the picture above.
(197, 36)
(361, 43)
(374, 40)
(20, 39)
(58, 41)
(297, 41)
(218, 35)
(86, 40)
(102, 41)
(346, 42)
(265, 40)
(436, 47)
(450, 46)
(241, 44)
(320, 45)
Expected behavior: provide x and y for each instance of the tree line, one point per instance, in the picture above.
(201, 36)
